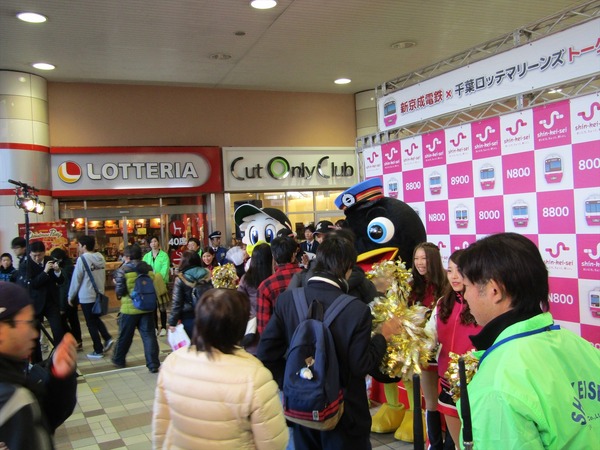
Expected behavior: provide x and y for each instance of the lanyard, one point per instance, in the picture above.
(516, 336)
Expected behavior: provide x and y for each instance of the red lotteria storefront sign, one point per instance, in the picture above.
(82, 171)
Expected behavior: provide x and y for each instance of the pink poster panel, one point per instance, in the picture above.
(586, 164)
(460, 180)
(591, 333)
(391, 157)
(436, 217)
(489, 215)
(588, 256)
(556, 212)
(461, 242)
(563, 299)
(551, 125)
(413, 186)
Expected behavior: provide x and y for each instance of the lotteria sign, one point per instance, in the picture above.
(78, 171)
(289, 168)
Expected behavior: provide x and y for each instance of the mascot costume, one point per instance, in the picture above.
(385, 228)
(259, 225)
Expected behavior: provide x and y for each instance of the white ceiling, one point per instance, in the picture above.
(300, 45)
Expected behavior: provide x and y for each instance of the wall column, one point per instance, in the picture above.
(366, 113)
(24, 148)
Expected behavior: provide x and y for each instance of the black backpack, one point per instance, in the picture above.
(312, 392)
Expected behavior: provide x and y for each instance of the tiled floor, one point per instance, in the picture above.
(114, 408)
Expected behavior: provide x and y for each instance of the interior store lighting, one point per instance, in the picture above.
(343, 81)
(44, 66)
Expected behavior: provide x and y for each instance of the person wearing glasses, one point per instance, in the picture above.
(31, 415)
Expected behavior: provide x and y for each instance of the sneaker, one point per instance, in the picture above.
(153, 370)
(163, 332)
(108, 344)
(95, 355)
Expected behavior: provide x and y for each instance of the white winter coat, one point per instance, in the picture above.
(229, 402)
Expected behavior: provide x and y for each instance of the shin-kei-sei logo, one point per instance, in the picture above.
(549, 123)
(588, 117)
(69, 172)
(555, 253)
(519, 123)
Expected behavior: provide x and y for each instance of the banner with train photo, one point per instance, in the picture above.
(535, 172)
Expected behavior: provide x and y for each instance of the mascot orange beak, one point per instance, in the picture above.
(366, 260)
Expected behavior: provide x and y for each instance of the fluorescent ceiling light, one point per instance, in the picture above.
(43, 66)
(343, 81)
(263, 4)
(31, 17)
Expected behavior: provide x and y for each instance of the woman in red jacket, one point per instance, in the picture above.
(454, 324)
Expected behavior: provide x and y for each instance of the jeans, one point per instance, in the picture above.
(145, 325)
(95, 326)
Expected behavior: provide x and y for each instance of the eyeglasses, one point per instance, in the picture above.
(12, 322)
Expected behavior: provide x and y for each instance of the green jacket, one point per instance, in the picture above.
(125, 281)
(540, 391)
(161, 264)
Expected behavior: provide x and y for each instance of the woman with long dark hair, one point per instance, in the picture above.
(261, 268)
(454, 323)
(191, 274)
(430, 282)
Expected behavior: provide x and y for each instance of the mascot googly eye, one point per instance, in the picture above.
(380, 230)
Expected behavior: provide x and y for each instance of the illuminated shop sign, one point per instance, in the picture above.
(139, 170)
(265, 168)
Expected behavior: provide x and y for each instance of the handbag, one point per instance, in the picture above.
(100, 307)
(178, 338)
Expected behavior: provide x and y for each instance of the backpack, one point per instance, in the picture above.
(312, 392)
(143, 294)
(198, 290)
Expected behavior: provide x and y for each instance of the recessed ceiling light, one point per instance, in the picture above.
(263, 4)
(403, 44)
(43, 66)
(31, 17)
(343, 81)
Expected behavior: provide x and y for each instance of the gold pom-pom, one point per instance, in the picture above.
(224, 277)
(471, 364)
(410, 349)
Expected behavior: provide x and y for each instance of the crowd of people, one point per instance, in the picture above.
(535, 388)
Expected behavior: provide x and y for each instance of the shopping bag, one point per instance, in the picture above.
(178, 338)
(100, 307)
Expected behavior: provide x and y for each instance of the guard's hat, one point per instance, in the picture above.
(214, 234)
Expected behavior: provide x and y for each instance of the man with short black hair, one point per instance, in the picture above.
(34, 400)
(42, 275)
(536, 385)
(19, 248)
(309, 244)
(284, 251)
(357, 352)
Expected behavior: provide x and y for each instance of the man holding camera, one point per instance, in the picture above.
(41, 275)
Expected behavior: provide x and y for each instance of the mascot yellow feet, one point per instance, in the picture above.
(388, 418)
(405, 431)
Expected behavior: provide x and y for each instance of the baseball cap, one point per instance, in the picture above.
(324, 226)
(13, 298)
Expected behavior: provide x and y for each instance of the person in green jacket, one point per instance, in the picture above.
(537, 385)
(159, 261)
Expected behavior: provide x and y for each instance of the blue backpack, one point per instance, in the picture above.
(312, 392)
(143, 294)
